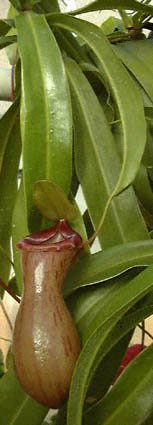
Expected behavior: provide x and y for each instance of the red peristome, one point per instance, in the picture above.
(35, 241)
(131, 353)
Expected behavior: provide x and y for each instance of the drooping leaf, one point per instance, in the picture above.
(16, 406)
(133, 121)
(93, 140)
(10, 154)
(46, 116)
(51, 201)
(114, 4)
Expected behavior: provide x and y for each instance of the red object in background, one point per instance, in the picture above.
(131, 353)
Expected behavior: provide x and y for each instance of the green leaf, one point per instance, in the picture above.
(19, 231)
(7, 40)
(52, 202)
(143, 189)
(122, 405)
(107, 369)
(103, 338)
(107, 264)
(4, 27)
(46, 123)
(114, 4)
(16, 406)
(96, 143)
(47, 6)
(12, 50)
(2, 369)
(133, 120)
(10, 154)
(111, 24)
(138, 58)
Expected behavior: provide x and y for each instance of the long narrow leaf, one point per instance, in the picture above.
(46, 124)
(114, 4)
(19, 231)
(133, 121)
(107, 264)
(11, 148)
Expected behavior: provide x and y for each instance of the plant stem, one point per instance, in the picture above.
(6, 315)
(2, 284)
(89, 241)
(125, 18)
(146, 332)
(5, 339)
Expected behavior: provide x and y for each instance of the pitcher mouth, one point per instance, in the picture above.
(58, 238)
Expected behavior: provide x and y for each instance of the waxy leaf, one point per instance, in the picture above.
(107, 264)
(46, 123)
(52, 202)
(133, 120)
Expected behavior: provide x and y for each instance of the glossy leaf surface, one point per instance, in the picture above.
(46, 116)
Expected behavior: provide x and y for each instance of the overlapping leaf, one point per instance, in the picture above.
(138, 58)
(133, 121)
(107, 264)
(103, 338)
(93, 140)
(130, 400)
